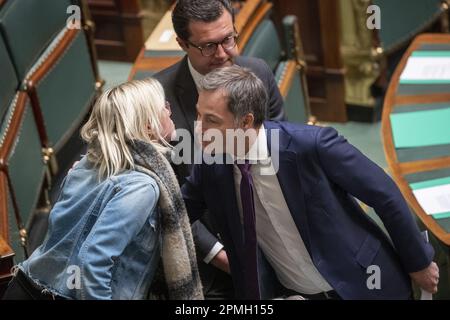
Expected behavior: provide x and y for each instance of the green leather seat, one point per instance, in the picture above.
(265, 44)
(295, 102)
(8, 80)
(26, 167)
(28, 26)
(401, 20)
(66, 91)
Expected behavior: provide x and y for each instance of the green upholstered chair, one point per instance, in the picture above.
(28, 26)
(287, 64)
(401, 20)
(55, 68)
(264, 43)
(24, 165)
(63, 85)
(8, 79)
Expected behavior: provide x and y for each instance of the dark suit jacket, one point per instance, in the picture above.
(182, 95)
(319, 173)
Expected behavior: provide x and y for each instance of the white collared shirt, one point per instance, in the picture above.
(197, 76)
(277, 234)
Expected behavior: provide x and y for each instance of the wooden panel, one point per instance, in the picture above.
(319, 28)
(4, 223)
(4, 230)
(6, 263)
(118, 33)
(251, 26)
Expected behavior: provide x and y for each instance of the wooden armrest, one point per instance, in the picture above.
(252, 24)
(5, 249)
(6, 264)
(246, 14)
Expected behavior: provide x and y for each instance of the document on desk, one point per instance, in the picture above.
(163, 37)
(427, 67)
(421, 128)
(433, 196)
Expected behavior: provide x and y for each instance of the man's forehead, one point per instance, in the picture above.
(213, 31)
(212, 102)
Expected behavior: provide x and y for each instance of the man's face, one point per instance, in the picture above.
(214, 119)
(203, 33)
(213, 114)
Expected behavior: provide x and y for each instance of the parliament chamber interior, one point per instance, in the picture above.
(378, 71)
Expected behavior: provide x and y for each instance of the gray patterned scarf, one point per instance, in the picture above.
(179, 269)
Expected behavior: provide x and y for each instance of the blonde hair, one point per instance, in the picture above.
(127, 112)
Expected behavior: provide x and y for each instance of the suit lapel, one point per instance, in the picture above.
(187, 94)
(289, 179)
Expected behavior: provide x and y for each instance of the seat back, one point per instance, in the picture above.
(28, 26)
(56, 70)
(401, 20)
(8, 79)
(265, 44)
(290, 83)
(21, 154)
(65, 85)
(288, 65)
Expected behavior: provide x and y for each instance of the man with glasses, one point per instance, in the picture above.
(205, 31)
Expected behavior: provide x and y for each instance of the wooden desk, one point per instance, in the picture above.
(6, 263)
(402, 168)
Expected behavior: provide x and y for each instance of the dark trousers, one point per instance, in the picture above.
(22, 288)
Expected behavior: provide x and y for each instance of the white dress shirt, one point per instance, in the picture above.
(277, 234)
(197, 76)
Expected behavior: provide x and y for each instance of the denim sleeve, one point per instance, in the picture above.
(119, 222)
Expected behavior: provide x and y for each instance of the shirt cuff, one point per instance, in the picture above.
(214, 251)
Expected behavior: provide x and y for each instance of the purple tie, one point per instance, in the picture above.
(249, 253)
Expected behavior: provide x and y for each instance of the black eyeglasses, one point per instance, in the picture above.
(210, 48)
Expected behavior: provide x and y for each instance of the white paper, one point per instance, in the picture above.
(434, 199)
(166, 36)
(427, 68)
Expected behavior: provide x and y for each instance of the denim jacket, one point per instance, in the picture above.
(103, 240)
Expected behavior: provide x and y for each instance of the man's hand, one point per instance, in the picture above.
(428, 278)
(221, 261)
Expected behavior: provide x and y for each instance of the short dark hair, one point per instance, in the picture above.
(186, 11)
(245, 92)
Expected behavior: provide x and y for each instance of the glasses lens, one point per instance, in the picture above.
(209, 49)
(229, 42)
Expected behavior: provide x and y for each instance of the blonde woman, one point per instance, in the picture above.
(120, 216)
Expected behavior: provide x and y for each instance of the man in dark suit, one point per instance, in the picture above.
(205, 31)
(286, 194)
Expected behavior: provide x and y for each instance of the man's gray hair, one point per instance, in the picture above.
(245, 91)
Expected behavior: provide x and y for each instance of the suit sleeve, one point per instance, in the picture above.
(351, 170)
(195, 205)
(192, 191)
(206, 243)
